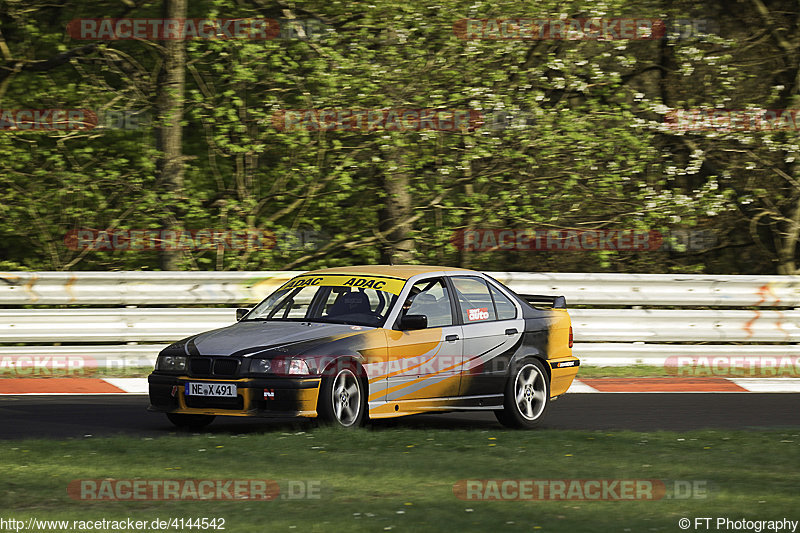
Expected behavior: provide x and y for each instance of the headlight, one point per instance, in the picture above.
(173, 363)
(298, 366)
(260, 366)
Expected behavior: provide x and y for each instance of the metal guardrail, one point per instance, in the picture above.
(138, 288)
(650, 290)
(109, 325)
(685, 325)
(210, 288)
(21, 360)
(619, 336)
(590, 325)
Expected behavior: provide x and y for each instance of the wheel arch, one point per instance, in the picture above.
(356, 360)
(542, 358)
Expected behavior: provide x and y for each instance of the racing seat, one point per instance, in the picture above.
(350, 304)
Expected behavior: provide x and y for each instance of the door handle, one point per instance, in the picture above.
(451, 338)
(511, 331)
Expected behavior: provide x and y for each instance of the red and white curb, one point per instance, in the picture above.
(48, 386)
(45, 386)
(678, 385)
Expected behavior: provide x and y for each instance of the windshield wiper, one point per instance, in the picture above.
(333, 321)
(320, 320)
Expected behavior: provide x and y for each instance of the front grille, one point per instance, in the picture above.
(213, 367)
(225, 367)
(200, 366)
(210, 402)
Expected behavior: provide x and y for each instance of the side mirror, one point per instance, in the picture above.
(409, 322)
(241, 312)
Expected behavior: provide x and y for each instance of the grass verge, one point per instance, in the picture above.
(633, 371)
(402, 479)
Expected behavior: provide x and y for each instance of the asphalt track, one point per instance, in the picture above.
(74, 416)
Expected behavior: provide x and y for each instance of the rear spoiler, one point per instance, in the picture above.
(556, 302)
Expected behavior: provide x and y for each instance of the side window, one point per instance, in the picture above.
(430, 298)
(505, 308)
(474, 300)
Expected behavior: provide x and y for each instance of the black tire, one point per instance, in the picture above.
(342, 397)
(190, 421)
(527, 395)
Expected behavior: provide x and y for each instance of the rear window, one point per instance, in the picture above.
(506, 309)
(474, 300)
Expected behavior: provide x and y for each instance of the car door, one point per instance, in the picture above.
(492, 329)
(425, 363)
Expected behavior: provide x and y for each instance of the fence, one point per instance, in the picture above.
(621, 319)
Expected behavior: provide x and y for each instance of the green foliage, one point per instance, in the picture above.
(595, 154)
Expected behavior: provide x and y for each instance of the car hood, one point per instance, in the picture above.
(249, 338)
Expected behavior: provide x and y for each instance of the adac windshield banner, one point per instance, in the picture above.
(378, 283)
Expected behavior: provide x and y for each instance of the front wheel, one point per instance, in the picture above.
(526, 396)
(190, 421)
(342, 401)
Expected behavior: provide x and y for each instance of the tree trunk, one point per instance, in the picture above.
(789, 98)
(397, 209)
(169, 135)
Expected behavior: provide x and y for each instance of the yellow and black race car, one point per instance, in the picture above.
(351, 343)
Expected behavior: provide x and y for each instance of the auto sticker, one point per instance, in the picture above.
(479, 313)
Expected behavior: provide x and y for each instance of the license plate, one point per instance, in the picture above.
(225, 390)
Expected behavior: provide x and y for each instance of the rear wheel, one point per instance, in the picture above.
(190, 421)
(342, 399)
(527, 395)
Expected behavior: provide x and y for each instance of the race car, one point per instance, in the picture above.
(349, 344)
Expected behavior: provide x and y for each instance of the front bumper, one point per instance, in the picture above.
(267, 397)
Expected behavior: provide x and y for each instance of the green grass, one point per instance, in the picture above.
(402, 478)
(135, 372)
(633, 371)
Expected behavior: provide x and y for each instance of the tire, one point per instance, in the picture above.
(190, 421)
(527, 395)
(342, 397)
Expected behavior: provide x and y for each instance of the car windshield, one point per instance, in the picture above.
(336, 299)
